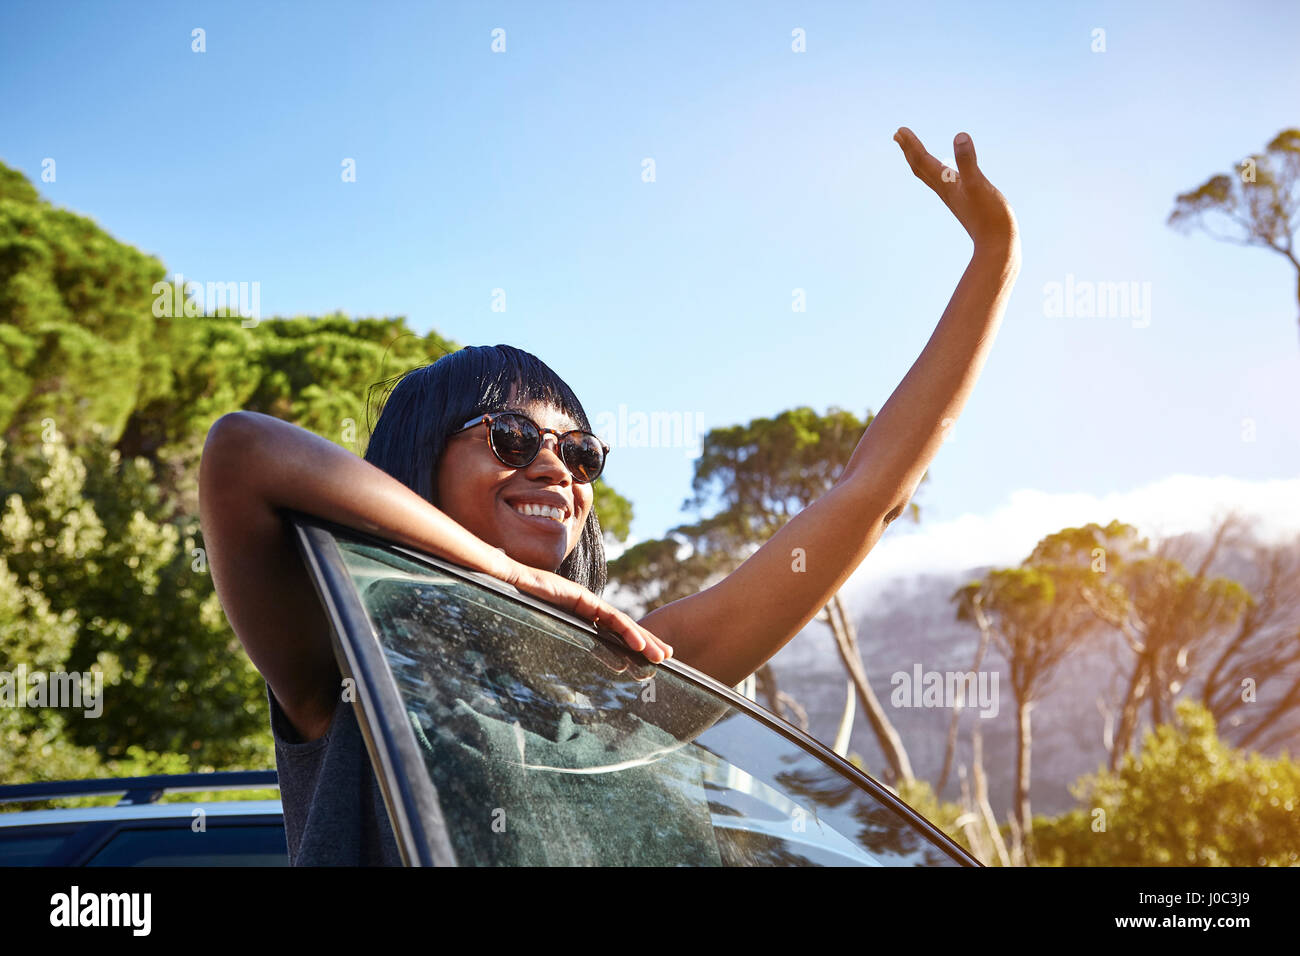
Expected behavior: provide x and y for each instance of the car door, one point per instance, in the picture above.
(504, 731)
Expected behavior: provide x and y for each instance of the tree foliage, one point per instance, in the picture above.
(1185, 799)
(1258, 205)
(1033, 616)
(108, 386)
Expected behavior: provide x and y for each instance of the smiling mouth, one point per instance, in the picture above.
(542, 517)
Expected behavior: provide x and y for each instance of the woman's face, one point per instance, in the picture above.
(483, 494)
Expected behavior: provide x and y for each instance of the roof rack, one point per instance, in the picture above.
(140, 790)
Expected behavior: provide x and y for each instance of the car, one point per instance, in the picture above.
(139, 830)
(505, 731)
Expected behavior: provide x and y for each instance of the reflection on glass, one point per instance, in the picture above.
(549, 747)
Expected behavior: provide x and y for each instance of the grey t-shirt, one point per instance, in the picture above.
(334, 813)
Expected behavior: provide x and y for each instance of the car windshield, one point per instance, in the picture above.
(548, 746)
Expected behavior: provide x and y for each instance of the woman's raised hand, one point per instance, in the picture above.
(982, 210)
(578, 601)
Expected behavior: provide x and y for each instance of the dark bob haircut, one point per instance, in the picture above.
(422, 406)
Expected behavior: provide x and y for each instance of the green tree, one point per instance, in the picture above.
(75, 318)
(125, 590)
(1258, 205)
(108, 386)
(1169, 617)
(1033, 621)
(1185, 799)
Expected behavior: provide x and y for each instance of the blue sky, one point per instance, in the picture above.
(774, 171)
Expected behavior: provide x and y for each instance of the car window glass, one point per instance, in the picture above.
(547, 746)
(31, 849)
(259, 845)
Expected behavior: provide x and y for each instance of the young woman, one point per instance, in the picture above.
(455, 468)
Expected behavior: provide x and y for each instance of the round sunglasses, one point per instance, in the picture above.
(516, 440)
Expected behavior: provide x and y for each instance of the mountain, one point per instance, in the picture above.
(910, 622)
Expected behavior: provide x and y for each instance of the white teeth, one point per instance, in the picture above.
(547, 511)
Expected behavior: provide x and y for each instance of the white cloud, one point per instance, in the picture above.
(615, 549)
(1170, 506)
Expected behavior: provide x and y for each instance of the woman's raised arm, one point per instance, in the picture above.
(732, 628)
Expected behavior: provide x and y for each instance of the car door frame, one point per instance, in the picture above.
(412, 800)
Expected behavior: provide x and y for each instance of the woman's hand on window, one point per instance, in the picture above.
(578, 601)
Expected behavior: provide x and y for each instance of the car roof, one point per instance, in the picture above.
(140, 811)
(140, 796)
